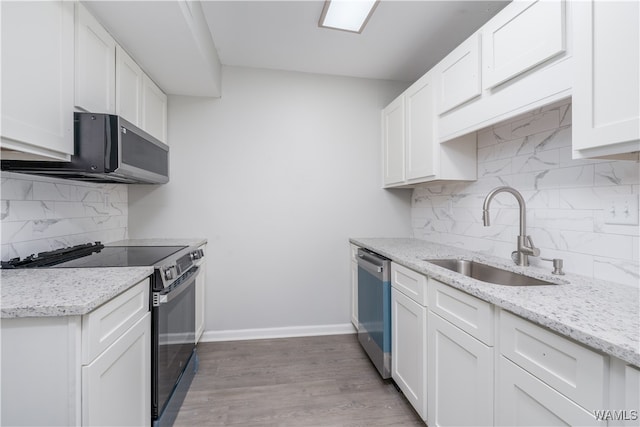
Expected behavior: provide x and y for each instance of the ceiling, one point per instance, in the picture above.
(402, 40)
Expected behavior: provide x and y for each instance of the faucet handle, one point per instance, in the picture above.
(557, 265)
(534, 251)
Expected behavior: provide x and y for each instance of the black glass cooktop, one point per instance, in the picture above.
(123, 256)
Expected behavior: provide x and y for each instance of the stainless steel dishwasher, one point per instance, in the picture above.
(374, 309)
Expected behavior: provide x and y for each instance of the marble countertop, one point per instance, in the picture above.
(602, 315)
(48, 292)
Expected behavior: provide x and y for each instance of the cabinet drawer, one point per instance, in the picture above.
(522, 399)
(523, 35)
(104, 325)
(410, 283)
(570, 368)
(467, 312)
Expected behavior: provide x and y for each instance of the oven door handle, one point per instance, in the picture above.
(160, 298)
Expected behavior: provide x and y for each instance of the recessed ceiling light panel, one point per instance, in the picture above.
(347, 15)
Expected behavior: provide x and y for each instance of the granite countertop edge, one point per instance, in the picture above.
(599, 314)
(50, 292)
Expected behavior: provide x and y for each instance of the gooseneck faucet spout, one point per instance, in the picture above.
(525, 244)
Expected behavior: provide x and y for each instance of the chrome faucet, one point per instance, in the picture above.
(525, 244)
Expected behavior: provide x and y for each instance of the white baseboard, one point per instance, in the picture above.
(288, 332)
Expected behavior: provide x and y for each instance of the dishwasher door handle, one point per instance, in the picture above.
(375, 265)
(371, 265)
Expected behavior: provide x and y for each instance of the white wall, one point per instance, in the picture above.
(41, 214)
(277, 175)
(565, 200)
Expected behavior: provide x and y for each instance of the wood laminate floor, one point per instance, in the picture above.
(308, 381)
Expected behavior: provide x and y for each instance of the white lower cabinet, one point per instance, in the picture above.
(547, 379)
(524, 400)
(409, 349)
(116, 386)
(80, 370)
(445, 363)
(460, 372)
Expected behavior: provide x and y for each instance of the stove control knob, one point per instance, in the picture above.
(197, 254)
(169, 273)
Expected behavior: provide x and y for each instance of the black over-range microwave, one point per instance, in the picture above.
(107, 148)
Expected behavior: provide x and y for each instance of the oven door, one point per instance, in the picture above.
(173, 339)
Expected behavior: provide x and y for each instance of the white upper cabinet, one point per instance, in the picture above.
(526, 34)
(606, 93)
(129, 78)
(393, 142)
(154, 109)
(95, 65)
(526, 63)
(420, 131)
(37, 78)
(411, 153)
(459, 75)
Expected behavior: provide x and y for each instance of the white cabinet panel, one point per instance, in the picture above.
(128, 88)
(410, 283)
(409, 349)
(570, 368)
(520, 37)
(117, 385)
(37, 77)
(393, 141)
(95, 65)
(154, 109)
(460, 372)
(523, 400)
(354, 286)
(201, 295)
(411, 153)
(105, 324)
(467, 312)
(421, 146)
(459, 75)
(606, 95)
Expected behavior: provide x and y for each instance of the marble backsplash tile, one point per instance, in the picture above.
(566, 200)
(41, 214)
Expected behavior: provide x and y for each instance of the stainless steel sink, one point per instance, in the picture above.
(487, 273)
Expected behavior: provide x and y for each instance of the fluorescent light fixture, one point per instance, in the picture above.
(347, 15)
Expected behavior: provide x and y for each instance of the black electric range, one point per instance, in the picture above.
(174, 360)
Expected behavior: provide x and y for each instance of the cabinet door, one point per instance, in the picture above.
(393, 142)
(154, 109)
(524, 400)
(116, 387)
(420, 143)
(409, 341)
(459, 75)
(37, 77)
(523, 35)
(460, 370)
(128, 88)
(606, 93)
(95, 63)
